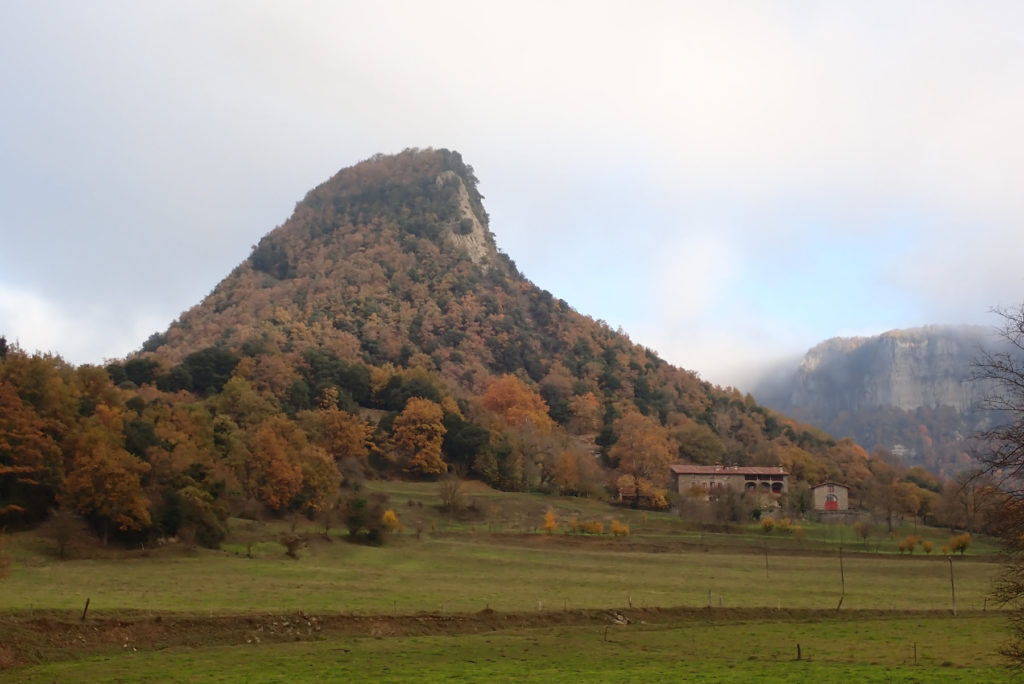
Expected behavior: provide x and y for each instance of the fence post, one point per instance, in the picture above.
(952, 584)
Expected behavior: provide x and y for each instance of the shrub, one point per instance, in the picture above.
(453, 498)
(909, 543)
(960, 542)
(767, 524)
(619, 530)
(390, 521)
(574, 526)
(863, 530)
(927, 546)
(550, 524)
(593, 527)
(364, 518)
(292, 543)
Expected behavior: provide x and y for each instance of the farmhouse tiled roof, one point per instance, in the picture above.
(687, 469)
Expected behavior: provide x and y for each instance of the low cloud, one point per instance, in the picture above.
(93, 335)
(148, 145)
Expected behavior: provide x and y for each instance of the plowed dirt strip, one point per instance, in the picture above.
(27, 639)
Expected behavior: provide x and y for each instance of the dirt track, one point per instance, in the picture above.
(26, 639)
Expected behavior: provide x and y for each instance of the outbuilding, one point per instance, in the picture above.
(830, 496)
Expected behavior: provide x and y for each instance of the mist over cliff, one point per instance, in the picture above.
(905, 391)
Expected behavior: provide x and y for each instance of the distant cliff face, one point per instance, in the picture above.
(906, 391)
(906, 369)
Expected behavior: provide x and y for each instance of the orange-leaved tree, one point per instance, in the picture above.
(550, 524)
(273, 473)
(29, 458)
(642, 448)
(105, 481)
(390, 521)
(344, 435)
(284, 471)
(417, 435)
(517, 404)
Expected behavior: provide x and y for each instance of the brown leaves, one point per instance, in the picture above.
(517, 404)
(417, 436)
(642, 449)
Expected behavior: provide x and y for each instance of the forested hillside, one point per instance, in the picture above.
(379, 332)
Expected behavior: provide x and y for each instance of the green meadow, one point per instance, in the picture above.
(736, 604)
(872, 650)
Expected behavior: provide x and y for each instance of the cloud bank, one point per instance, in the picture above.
(728, 182)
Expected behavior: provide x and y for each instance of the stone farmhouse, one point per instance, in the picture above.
(770, 481)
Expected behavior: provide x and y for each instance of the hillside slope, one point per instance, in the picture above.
(392, 262)
(378, 332)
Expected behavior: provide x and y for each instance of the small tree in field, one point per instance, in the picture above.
(292, 543)
(64, 527)
(960, 542)
(550, 524)
(390, 521)
(618, 529)
(863, 530)
(453, 496)
(364, 518)
(909, 544)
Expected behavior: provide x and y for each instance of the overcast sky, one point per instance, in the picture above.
(729, 182)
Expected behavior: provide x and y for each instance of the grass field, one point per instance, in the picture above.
(767, 593)
(866, 650)
(469, 572)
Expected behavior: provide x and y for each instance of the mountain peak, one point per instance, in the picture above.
(419, 194)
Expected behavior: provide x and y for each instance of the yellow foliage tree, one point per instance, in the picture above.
(417, 435)
(29, 458)
(520, 406)
(550, 524)
(105, 481)
(641, 449)
(619, 529)
(586, 413)
(390, 521)
(960, 543)
(342, 434)
(279, 467)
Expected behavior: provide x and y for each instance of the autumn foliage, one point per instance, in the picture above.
(550, 524)
(377, 332)
(417, 437)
